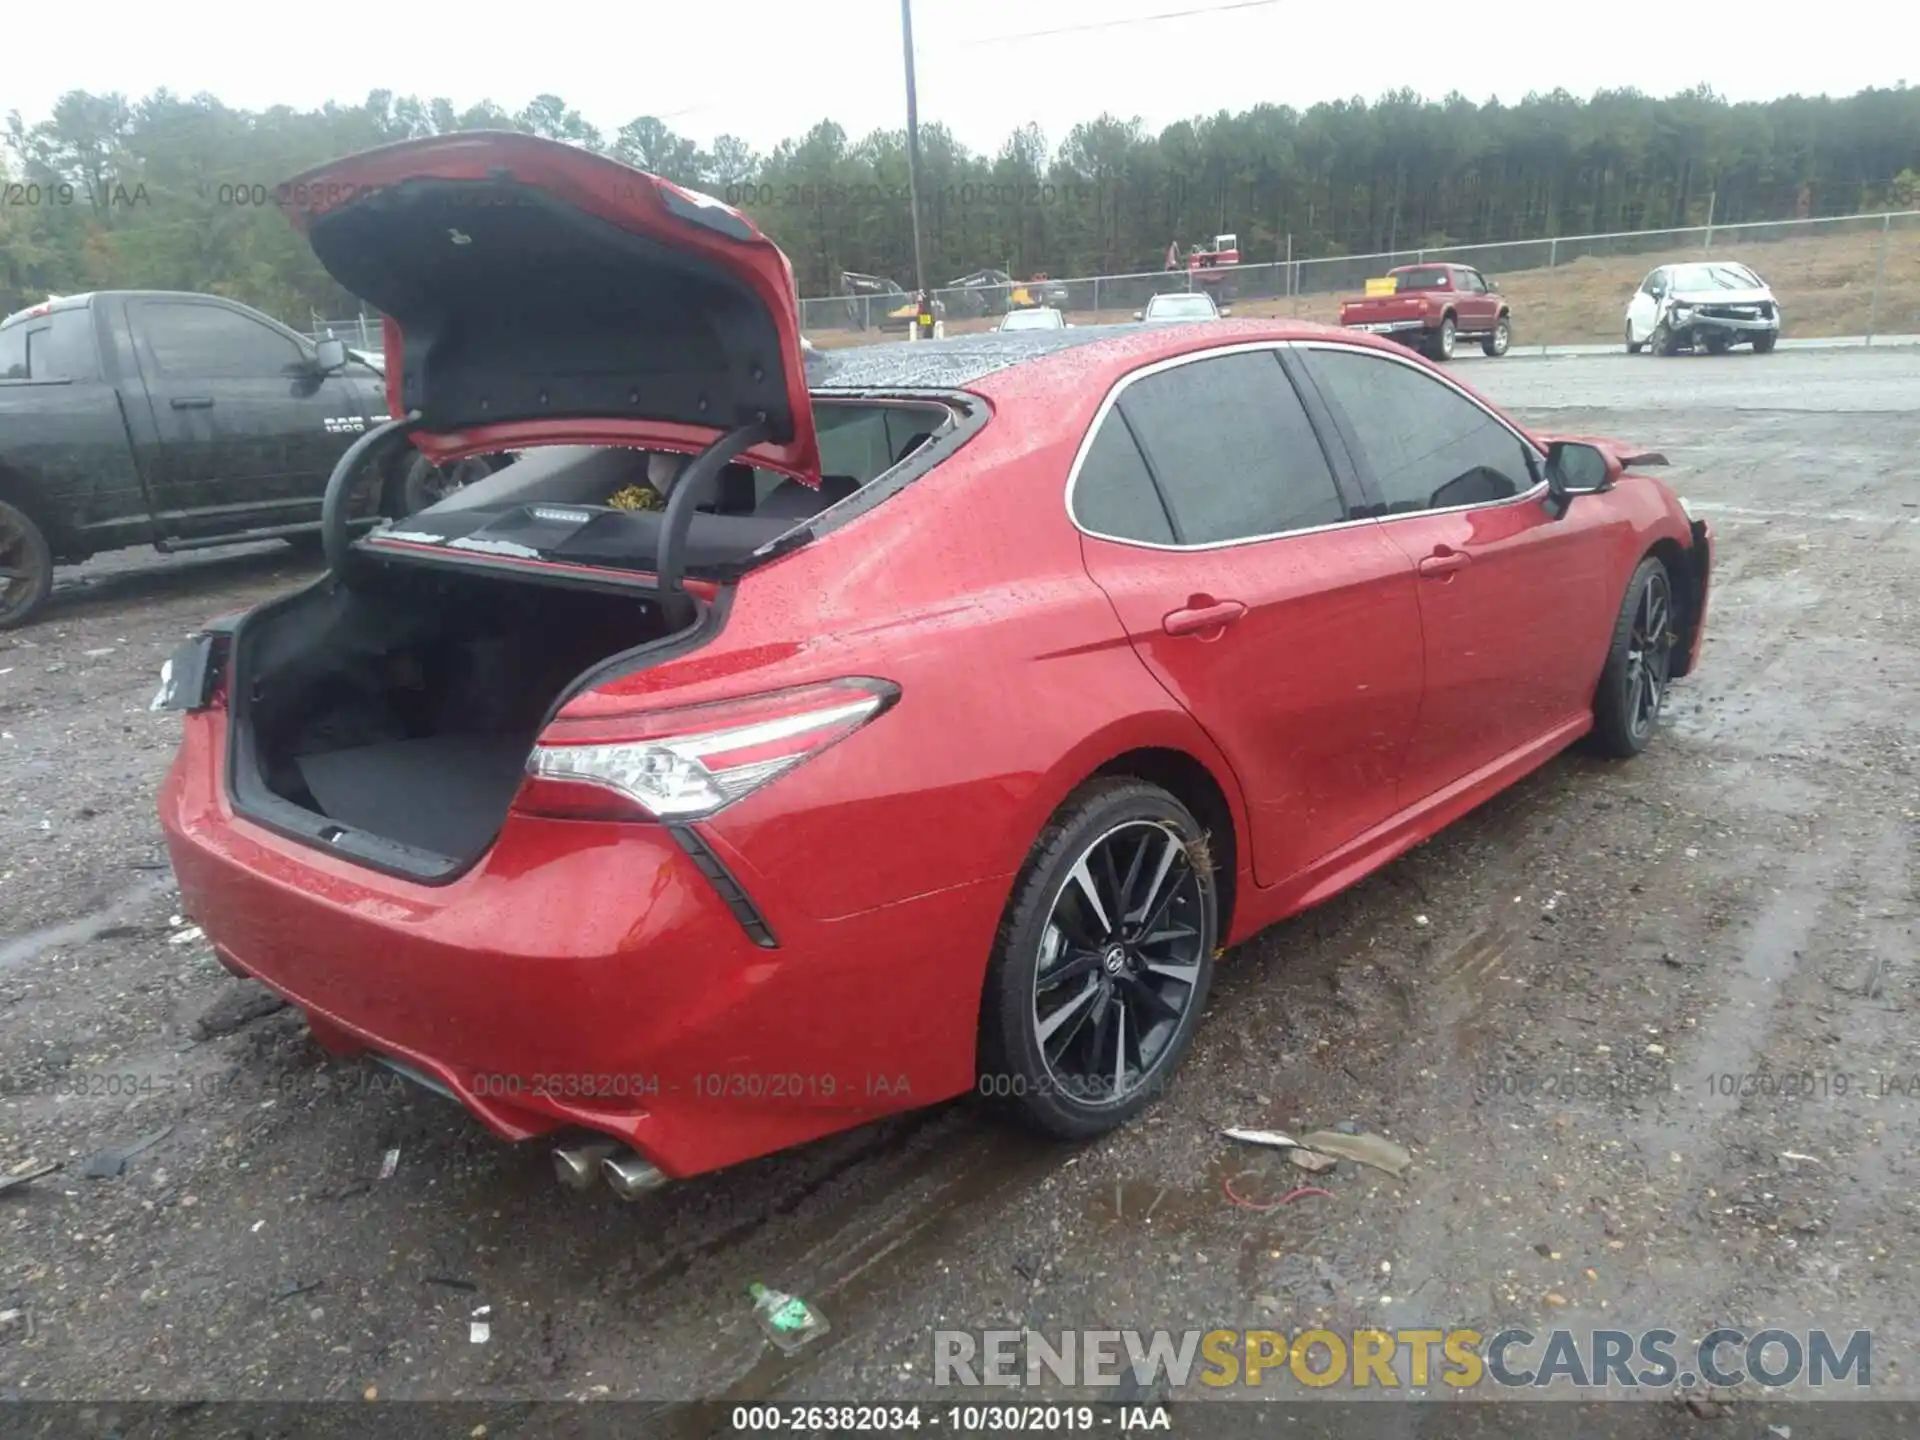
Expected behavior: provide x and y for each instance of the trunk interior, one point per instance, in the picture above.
(393, 720)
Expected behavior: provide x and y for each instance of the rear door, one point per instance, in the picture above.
(249, 429)
(1514, 603)
(1212, 518)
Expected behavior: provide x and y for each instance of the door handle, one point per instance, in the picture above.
(1208, 614)
(1444, 562)
(193, 402)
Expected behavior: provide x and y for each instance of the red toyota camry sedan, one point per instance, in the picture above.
(929, 723)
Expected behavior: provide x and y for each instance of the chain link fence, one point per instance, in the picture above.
(1850, 276)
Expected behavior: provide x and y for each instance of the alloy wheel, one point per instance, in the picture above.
(1649, 654)
(429, 484)
(1121, 956)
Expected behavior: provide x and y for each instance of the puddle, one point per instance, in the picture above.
(23, 949)
(1150, 1206)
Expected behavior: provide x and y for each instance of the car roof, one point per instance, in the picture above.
(962, 362)
(1431, 265)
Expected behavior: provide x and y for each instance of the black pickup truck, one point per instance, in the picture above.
(180, 421)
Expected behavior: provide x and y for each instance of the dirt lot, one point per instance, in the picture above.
(1556, 1005)
(1825, 284)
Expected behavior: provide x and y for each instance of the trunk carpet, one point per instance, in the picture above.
(445, 793)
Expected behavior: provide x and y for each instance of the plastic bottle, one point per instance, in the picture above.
(787, 1319)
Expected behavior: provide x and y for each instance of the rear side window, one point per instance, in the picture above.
(64, 350)
(13, 352)
(1232, 449)
(1114, 494)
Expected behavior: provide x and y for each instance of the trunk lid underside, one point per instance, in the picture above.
(546, 295)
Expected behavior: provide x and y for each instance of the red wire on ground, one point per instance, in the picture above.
(1287, 1199)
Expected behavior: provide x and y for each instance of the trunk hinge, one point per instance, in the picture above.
(698, 483)
(369, 448)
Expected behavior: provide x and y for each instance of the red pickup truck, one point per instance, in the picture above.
(1430, 305)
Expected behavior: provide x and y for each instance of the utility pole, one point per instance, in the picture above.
(913, 147)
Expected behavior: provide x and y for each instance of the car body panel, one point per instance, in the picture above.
(1028, 659)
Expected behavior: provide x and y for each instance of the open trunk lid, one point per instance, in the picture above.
(546, 295)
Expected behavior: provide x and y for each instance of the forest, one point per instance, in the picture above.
(172, 192)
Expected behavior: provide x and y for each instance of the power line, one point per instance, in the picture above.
(1126, 20)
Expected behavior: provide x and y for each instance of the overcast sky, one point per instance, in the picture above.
(766, 71)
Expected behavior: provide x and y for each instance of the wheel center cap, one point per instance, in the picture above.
(1114, 959)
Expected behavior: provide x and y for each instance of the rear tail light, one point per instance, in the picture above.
(688, 762)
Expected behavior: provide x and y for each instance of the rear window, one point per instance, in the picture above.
(1432, 278)
(862, 441)
(57, 346)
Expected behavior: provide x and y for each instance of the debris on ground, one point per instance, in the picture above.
(244, 1003)
(1261, 1137)
(22, 1178)
(105, 1164)
(788, 1321)
(480, 1330)
(389, 1163)
(1374, 1150)
(1311, 1161)
(297, 1287)
(452, 1282)
(1246, 1203)
(187, 936)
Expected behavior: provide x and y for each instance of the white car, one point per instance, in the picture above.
(1182, 305)
(1043, 318)
(1709, 305)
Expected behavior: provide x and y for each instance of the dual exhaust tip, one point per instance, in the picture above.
(580, 1167)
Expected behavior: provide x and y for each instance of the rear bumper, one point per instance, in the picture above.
(589, 974)
(1384, 327)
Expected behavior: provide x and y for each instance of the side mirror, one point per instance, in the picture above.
(330, 355)
(1226, 311)
(1139, 314)
(1577, 469)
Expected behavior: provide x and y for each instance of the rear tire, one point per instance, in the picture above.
(1440, 347)
(1498, 342)
(1764, 342)
(1634, 347)
(1102, 964)
(26, 567)
(423, 483)
(1639, 669)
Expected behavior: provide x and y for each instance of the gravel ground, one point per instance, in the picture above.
(1555, 1005)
